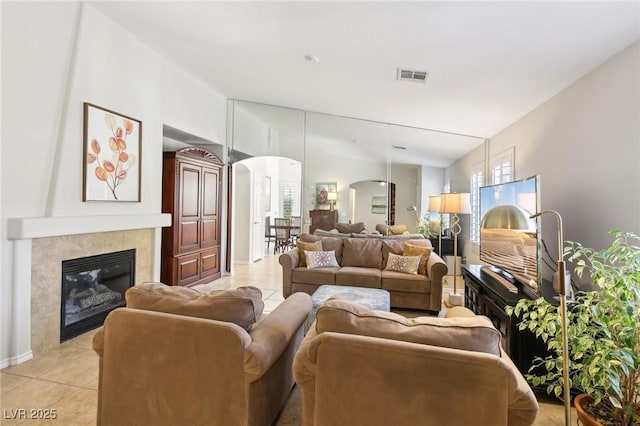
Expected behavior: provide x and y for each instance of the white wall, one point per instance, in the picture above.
(242, 205)
(585, 144)
(407, 194)
(55, 56)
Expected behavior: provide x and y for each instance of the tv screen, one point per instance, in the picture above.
(508, 237)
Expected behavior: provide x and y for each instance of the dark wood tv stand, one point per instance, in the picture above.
(484, 295)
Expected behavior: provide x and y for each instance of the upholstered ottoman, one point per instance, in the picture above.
(373, 298)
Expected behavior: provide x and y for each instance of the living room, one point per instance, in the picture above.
(581, 136)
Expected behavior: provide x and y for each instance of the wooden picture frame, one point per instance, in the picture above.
(322, 189)
(112, 156)
(379, 204)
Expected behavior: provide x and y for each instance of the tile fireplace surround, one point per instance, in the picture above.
(47, 255)
(40, 246)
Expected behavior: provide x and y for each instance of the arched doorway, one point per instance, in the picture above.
(260, 187)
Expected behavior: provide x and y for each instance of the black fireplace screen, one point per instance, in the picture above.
(91, 288)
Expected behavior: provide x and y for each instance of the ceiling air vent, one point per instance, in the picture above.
(412, 75)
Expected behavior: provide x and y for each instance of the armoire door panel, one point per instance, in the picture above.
(209, 232)
(190, 191)
(189, 236)
(210, 187)
(188, 268)
(209, 262)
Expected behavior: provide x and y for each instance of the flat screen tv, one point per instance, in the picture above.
(508, 237)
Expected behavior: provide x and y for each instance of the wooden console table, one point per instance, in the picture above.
(447, 246)
(484, 295)
(323, 219)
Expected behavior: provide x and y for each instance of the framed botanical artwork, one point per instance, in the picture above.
(322, 189)
(112, 146)
(378, 204)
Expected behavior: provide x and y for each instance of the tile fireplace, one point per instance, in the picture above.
(38, 246)
(92, 287)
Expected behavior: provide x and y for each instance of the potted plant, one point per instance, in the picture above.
(603, 329)
(424, 226)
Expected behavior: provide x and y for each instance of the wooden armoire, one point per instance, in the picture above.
(191, 188)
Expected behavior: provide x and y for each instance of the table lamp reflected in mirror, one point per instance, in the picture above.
(332, 197)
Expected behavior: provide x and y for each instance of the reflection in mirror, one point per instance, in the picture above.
(342, 150)
(372, 204)
(266, 130)
(417, 161)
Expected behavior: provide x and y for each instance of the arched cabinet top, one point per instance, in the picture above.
(199, 153)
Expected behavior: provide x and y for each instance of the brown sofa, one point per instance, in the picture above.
(362, 263)
(356, 367)
(184, 368)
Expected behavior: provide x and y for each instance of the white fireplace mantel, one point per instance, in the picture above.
(23, 231)
(42, 227)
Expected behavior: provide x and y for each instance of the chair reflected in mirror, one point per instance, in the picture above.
(269, 234)
(296, 229)
(282, 227)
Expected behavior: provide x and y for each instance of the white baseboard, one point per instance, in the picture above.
(8, 362)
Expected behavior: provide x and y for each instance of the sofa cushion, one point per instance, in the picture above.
(406, 283)
(383, 229)
(350, 228)
(391, 246)
(398, 229)
(321, 259)
(328, 243)
(316, 276)
(366, 253)
(403, 264)
(332, 234)
(356, 276)
(407, 236)
(423, 252)
(391, 229)
(471, 334)
(304, 247)
(242, 306)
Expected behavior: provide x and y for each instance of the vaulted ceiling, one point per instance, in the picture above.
(488, 63)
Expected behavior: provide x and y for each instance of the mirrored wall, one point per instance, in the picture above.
(381, 173)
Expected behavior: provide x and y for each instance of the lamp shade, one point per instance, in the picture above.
(508, 216)
(332, 196)
(434, 203)
(458, 203)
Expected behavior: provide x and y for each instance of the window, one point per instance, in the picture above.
(477, 180)
(288, 199)
(502, 167)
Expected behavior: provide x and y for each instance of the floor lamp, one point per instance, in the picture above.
(562, 293)
(455, 204)
(434, 207)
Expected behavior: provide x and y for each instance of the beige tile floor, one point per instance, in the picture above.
(64, 380)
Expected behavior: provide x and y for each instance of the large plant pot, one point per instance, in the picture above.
(584, 418)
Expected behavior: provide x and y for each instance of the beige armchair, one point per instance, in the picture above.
(362, 367)
(158, 368)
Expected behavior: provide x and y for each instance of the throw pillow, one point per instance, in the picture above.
(398, 229)
(242, 306)
(423, 252)
(404, 264)
(390, 246)
(321, 259)
(471, 334)
(303, 248)
(350, 228)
